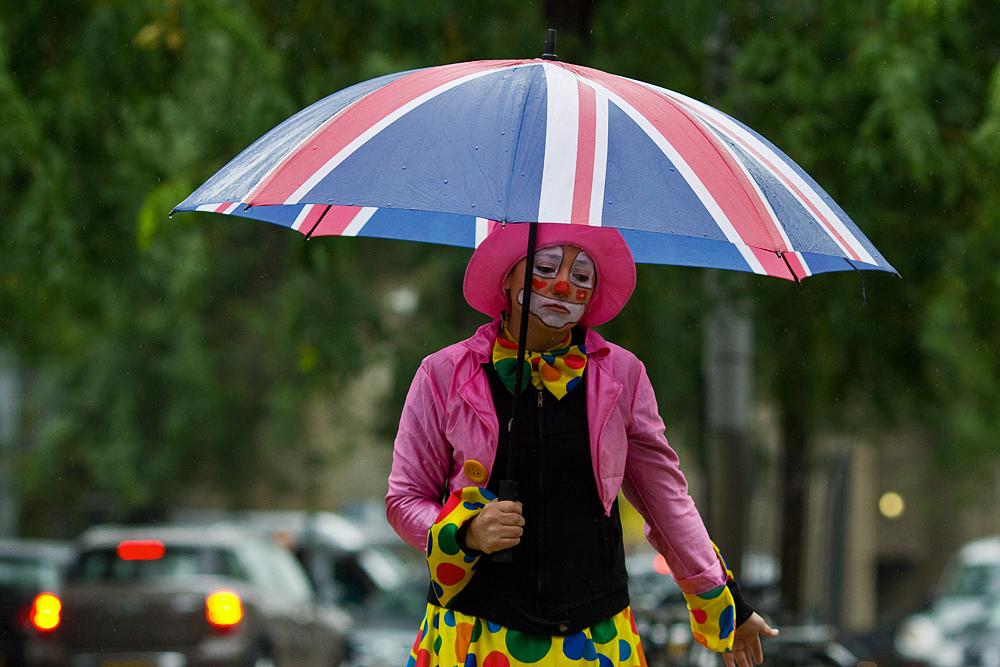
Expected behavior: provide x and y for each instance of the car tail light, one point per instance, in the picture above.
(660, 564)
(45, 612)
(141, 550)
(224, 609)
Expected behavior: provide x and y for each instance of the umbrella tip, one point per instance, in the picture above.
(550, 46)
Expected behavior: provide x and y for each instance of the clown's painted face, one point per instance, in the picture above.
(563, 283)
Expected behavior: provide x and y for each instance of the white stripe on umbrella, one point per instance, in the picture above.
(225, 207)
(359, 221)
(685, 170)
(828, 220)
(483, 228)
(600, 159)
(331, 164)
(302, 216)
(576, 149)
(562, 130)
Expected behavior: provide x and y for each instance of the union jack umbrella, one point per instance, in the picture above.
(439, 154)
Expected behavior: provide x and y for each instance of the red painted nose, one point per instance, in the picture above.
(561, 288)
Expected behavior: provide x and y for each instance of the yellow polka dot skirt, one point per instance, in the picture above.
(450, 638)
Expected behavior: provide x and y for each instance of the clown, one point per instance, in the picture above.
(588, 428)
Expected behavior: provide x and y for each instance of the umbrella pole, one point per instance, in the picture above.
(508, 486)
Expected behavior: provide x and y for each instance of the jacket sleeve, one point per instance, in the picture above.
(421, 463)
(656, 487)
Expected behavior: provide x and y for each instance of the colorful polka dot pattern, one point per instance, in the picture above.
(713, 614)
(450, 567)
(558, 370)
(452, 639)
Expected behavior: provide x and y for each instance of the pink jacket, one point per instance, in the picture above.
(449, 418)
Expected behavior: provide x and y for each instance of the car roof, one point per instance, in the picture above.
(322, 527)
(54, 550)
(984, 551)
(288, 526)
(216, 535)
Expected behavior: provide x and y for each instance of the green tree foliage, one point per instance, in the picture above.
(172, 352)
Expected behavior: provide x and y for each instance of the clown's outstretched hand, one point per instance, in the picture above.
(746, 642)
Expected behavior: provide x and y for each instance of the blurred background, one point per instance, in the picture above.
(840, 436)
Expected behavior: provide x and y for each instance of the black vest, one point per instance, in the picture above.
(568, 572)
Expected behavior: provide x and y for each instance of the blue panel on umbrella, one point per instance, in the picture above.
(278, 215)
(234, 182)
(643, 191)
(526, 177)
(453, 153)
(826, 264)
(653, 248)
(443, 228)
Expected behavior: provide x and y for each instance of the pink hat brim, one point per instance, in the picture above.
(507, 245)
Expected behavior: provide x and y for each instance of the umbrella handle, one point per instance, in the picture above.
(508, 487)
(508, 491)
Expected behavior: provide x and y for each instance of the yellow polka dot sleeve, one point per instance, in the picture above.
(713, 615)
(450, 566)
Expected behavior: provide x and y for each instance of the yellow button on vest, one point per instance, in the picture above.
(475, 471)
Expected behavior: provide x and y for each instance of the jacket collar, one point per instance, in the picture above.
(480, 344)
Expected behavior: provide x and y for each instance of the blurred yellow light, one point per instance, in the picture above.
(224, 608)
(45, 611)
(891, 505)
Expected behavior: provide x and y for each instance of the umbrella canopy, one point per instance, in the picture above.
(439, 154)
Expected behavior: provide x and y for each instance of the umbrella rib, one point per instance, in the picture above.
(790, 269)
(864, 298)
(318, 220)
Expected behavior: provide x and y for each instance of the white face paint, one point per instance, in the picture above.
(568, 300)
(553, 313)
(583, 271)
(547, 262)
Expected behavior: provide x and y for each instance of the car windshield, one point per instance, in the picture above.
(105, 565)
(27, 574)
(977, 580)
(408, 600)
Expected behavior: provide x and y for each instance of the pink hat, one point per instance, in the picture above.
(507, 245)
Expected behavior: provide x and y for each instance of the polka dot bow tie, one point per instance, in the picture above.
(558, 370)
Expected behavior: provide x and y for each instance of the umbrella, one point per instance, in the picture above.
(437, 154)
(442, 154)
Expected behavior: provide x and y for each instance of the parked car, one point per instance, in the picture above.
(185, 596)
(344, 566)
(27, 569)
(979, 643)
(970, 581)
(369, 517)
(387, 624)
